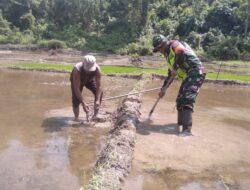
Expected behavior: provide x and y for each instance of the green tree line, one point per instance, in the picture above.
(218, 28)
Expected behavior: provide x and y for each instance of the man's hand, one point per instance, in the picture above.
(161, 93)
(97, 105)
(173, 73)
(85, 107)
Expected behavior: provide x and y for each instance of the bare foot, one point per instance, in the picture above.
(76, 119)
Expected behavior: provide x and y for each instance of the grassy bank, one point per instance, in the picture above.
(232, 62)
(107, 69)
(228, 76)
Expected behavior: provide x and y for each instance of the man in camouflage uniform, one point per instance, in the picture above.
(183, 63)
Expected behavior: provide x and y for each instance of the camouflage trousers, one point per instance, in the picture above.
(189, 90)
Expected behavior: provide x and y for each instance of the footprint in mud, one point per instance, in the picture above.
(102, 119)
(74, 122)
(55, 120)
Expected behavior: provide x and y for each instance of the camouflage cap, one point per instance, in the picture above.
(157, 41)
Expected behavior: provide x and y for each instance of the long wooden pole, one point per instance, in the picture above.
(133, 93)
(123, 95)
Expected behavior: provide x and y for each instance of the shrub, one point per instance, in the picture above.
(194, 40)
(225, 50)
(52, 44)
(143, 47)
(3, 39)
(27, 37)
(212, 37)
(4, 25)
(166, 27)
(27, 21)
(14, 37)
(244, 44)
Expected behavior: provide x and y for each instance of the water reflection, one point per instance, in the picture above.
(212, 159)
(38, 167)
(40, 146)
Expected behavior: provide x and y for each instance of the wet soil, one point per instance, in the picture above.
(41, 147)
(215, 158)
(114, 162)
(72, 57)
(60, 57)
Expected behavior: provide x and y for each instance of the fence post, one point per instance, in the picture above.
(219, 71)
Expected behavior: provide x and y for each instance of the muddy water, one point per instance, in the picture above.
(40, 146)
(215, 158)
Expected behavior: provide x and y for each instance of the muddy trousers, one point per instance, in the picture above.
(186, 98)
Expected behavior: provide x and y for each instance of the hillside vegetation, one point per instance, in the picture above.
(215, 28)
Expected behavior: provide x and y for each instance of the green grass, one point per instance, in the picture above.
(107, 69)
(233, 62)
(227, 76)
(39, 66)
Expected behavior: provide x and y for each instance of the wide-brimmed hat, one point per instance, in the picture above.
(89, 63)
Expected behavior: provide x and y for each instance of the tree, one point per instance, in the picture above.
(119, 9)
(211, 38)
(247, 18)
(27, 21)
(4, 25)
(224, 15)
(191, 18)
(73, 12)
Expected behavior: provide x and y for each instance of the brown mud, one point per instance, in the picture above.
(41, 147)
(70, 56)
(218, 81)
(216, 157)
(115, 159)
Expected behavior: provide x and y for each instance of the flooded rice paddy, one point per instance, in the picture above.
(42, 148)
(215, 158)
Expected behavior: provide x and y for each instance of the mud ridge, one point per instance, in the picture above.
(115, 160)
(228, 82)
(222, 82)
(125, 76)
